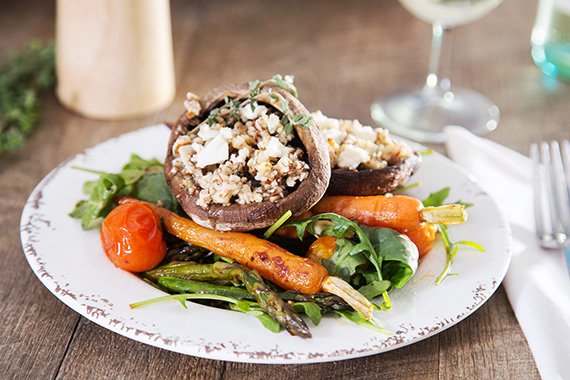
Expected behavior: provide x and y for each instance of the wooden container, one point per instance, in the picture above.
(114, 58)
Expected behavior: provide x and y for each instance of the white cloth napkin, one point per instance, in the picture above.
(537, 282)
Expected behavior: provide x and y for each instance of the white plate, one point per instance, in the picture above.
(72, 265)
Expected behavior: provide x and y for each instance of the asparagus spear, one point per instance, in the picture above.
(267, 299)
(219, 272)
(178, 285)
(326, 301)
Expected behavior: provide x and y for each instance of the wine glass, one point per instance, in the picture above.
(423, 113)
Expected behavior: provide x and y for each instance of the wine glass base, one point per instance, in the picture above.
(421, 115)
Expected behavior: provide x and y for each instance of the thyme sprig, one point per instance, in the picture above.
(289, 122)
(213, 116)
(286, 83)
(254, 88)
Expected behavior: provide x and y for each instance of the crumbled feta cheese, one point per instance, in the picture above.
(272, 123)
(227, 133)
(214, 152)
(185, 153)
(197, 147)
(363, 132)
(325, 122)
(180, 141)
(249, 114)
(275, 148)
(207, 133)
(351, 156)
(336, 135)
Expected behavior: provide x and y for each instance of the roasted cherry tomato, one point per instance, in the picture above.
(322, 248)
(131, 236)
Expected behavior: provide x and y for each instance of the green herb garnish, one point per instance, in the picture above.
(285, 83)
(23, 77)
(213, 116)
(254, 88)
(290, 122)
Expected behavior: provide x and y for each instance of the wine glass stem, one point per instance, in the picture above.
(438, 80)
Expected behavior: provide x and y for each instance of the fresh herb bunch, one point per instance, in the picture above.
(23, 76)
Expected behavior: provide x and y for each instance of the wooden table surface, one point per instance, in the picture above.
(343, 55)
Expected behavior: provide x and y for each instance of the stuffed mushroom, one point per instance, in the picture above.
(243, 155)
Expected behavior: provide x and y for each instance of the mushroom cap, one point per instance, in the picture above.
(253, 216)
(373, 182)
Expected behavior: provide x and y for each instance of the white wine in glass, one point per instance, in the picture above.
(422, 114)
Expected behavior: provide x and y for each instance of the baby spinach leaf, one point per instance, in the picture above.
(399, 255)
(351, 240)
(153, 188)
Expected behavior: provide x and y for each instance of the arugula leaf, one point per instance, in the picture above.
(310, 309)
(93, 210)
(252, 308)
(451, 250)
(400, 256)
(345, 231)
(374, 288)
(437, 198)
(345, 260)
(269, 323)
(139, 178)
(373, 324)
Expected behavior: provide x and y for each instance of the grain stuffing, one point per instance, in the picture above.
(242, 153)
(354, 146)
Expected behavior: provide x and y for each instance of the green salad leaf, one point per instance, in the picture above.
(376, 259)
(373, 324)
(451, 248)
(437, 198)
(374, 288)
(400, 256)
(351, 241)
(310, 309)
(139, 178)
(345, 260)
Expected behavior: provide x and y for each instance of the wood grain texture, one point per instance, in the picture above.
(344, 55)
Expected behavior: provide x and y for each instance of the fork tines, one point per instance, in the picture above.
(552, 192)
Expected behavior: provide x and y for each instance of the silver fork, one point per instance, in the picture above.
(552, 195)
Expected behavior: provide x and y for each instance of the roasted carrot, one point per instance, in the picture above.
(274, 263)
(401, 213)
